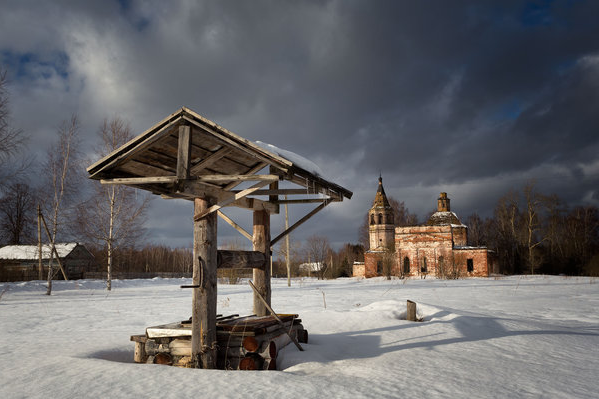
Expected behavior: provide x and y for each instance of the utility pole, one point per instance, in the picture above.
(40, 267)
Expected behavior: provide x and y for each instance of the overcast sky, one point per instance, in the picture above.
(468, 97)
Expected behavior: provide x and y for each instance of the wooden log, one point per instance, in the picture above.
(267, 305)
(261, 242)
(163, 358)
(411, 311)
(203, 325)
(241, 260)
(139, 355)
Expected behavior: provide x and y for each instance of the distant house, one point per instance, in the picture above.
(310, 268)
(21, 262)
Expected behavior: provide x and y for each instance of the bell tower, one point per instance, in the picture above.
(381, 226)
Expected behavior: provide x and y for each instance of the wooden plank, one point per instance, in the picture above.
(285, 191)
(211, 159)
(302, 201)
(239, 178)
(235, 225)
(138, 168)
(257, 168)
(203, 324)
(141, 180)
(184, 152)
(301, 221)
(261, 242)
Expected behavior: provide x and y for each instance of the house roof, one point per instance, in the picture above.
(30, 252)
(211, 164)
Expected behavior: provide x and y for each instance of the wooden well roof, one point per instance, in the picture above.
(188, 156)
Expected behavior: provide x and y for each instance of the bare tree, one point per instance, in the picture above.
(115, 214)
(318, 249)
(17, 210)
(532, 223)
(62, 172)
(11, 139)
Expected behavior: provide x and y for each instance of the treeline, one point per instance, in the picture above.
(535, 233)
(148, 259)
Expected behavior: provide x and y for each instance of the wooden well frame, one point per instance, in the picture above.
(190, 157)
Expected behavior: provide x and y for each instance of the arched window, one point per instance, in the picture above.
(372, 218)
(406, 265)
(380, 218)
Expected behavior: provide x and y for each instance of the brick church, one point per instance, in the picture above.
(438, 248)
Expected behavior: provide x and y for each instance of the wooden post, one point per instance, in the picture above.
(203, 326)
(261, 242)
(288, 255)
(411, 311)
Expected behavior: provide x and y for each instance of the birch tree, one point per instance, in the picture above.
(62, 172)
(114, 214)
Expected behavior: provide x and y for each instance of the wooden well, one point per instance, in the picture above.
(189, 157)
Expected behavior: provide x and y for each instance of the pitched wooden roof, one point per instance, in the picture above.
(186, 156)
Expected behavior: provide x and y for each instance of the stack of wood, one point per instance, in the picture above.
(244, 343)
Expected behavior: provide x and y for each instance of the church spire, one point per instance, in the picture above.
(380, 199)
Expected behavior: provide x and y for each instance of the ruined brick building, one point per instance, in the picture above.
(437, 248)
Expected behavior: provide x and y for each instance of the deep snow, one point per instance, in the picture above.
(528, 336)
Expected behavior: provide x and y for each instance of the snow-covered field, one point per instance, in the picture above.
(527, 336)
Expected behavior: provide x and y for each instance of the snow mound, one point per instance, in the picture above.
(397, 310)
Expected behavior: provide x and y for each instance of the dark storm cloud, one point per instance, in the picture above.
(473, 98)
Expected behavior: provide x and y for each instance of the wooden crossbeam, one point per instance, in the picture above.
(231, 199)
(253, 170)
(301, 201)
(235, 225)
(141, 180)
(239, 178)
(301, 221)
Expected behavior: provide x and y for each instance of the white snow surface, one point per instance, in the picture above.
(511, 337)
(294, 158)
(30, 252)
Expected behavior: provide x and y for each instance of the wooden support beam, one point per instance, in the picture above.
(301, 221)
(285, 191)
(253, 170)
(231, 199)
(141, 180)
(210, 160)
(235, 225)
(239, 178)
(261, 278)
(184, 152)
(241, 260)
(303, 201)
(272, 312)
(203, 325)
